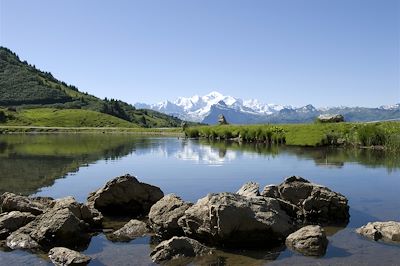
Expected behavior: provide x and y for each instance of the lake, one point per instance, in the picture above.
(59, 165)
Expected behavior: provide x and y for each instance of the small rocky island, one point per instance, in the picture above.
(291, 212)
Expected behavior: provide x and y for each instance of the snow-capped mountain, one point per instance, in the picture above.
(206, 109)
(196, 108)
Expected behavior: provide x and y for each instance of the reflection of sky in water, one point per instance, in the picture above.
(183, 167)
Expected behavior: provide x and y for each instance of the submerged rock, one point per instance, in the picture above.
(250, 189)
(310, 241)
(385, 231)
(165, 213)
(131, 230)
(12, 202)
(125, 196)
(232, 219)
(178, 247)
(60, 256)
(317, 203)
(11, 221)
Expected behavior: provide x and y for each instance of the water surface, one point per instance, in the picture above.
(75, 164)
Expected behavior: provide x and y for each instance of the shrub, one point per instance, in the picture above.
(3, 117)
(370, 135)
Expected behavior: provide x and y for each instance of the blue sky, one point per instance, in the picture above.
(323, 52)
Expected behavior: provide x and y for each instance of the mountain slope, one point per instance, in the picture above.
(24, 86)
(206, 109)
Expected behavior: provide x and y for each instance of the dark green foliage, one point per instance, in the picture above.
(3, 117)
(25, 86)
(371, 135)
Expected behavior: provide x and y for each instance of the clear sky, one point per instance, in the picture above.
(323, 52)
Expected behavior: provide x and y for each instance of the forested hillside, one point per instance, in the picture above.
(23, 86)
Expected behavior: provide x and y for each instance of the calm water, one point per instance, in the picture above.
(62, 165)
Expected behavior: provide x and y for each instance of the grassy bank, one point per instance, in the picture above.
(383, 134)
(175, 132)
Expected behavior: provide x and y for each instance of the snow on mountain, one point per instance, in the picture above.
(196, 108)
(207, 108)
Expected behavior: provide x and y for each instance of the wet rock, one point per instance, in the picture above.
(131, 230)
(60, 256)
(318, 203)
(270, 191)
(309, 240)
(178, 247)
(165, 213)
(11, 221)
(125, 196)
(385, 231)
(250, 189)
(12, 202)
(232, 219)
(56, 227)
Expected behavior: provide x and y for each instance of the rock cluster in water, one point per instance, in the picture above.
(248, 218)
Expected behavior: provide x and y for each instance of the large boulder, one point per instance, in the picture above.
(236, 220)
(165, 213)
(328, 118)
(310, 241)
(178, 247)
(131, 230)
(250, 189)
(11, 221)
(60, 256)
(317, 203)
(125, 196)
(385, 231)
(56, 227)
(81, 211)
(12, 202)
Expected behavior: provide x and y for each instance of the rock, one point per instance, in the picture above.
(131, 230)
(250, 189)
(81, 211)
(270, 191)
(165, 213)
(60, 256)
(177, 247)
(318, 203)
(310, 241)
(125, 196)
(232, 219)
(56, 227)
(222, 120)
(11, 221)
(328, 118)
(12, 202)
(385, 231)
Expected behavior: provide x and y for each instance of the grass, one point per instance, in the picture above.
(386, 134)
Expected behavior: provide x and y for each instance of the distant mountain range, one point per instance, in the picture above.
(207, 108)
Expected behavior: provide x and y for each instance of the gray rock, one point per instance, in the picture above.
(222, 120)
(126, 196)
(12, 202)
(250, 189)
(318, 203)
(178, 247)
(60, 256)
(309, 240)
(385, 231)
(270, 191)
(56, 227)
(11, 221)
(232, 219)
(165, 213)
(81, 211)
(328, 118)
(131, 230)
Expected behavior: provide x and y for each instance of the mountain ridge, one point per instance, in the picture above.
(205, 109)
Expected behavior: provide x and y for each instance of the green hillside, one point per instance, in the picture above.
(23, 86)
